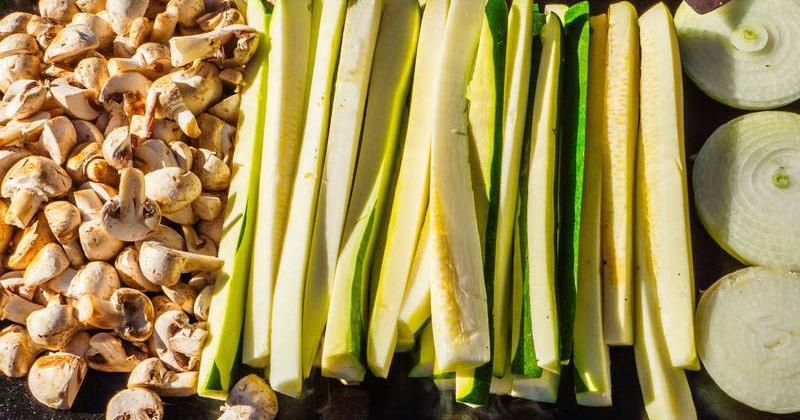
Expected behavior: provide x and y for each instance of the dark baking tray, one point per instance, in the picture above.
(402, 398)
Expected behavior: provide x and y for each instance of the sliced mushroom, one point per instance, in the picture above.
(6, 231)
(97, 243)
(97, 278)
(17, 44)
(131, 216)
(184, 154)
(9, 156)
(214, 174)
(163, 27)
(91, 6)
(218, 136)
(89, 204)
(135, 404)
(60, 11)
(184, 216)
(60, 283)
(18, 67)
(63, 218)
(152, 155)
(162, 304)
(218, 19)
(186, 49)
(107, 353)
(199, 244)
(17, 351)
(92, 73)
(49, 262)
(54, 380)
(139, 32)
(164, 99)
(177, 342)
(152, 374)
(24, 98)
(183, 295)
(164, 266)
(211, 228)
(76, 101)
(27, 242)
(202, 303)
(32, 181)
(74, 253)
(58, 138)
(53, 326)
(166, 236)
(199, 86)
(150, 59)
(227, 109)
(127, 265)
(15, 308)
(250, 399)
(232, 79)
(87, 132)
(122, 13)
(129, 313)
(172, 188)
(100, 27)
(208, 206)
(43, 30)
(26, 130)
(74, 40)
(128, 88)
(14, 23)
(118, 148)
(86, 163)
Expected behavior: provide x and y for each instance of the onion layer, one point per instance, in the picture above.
(747, 188)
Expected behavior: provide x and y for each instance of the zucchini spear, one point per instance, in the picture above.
(389, 82)
(411, 193)
(225, 315)
(458, 293)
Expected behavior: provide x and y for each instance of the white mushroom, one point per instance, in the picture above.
(76, 101)
(199, 244)
(152, 374)
(184, 216)
(127, 265)
(54, 380)
(211, 228)
(164, 266)
(208, 206)
(58, 138)
(227, 109)
(97, 278)
(6, 231)
(97, 243)
(162, 304)
(88, 203)
(214, 174)
(14, 23)
(17, 351)
(100, 27)
(183, 153)
(131, 216)
(91, 6)
(49, 262)
(118, 148)
(23, 131)
(165, 99)
(172, 188)
(108, 353)
(182, 294)
(218, 136)
(166, 236)
(72, 41)
(60, 11)
(53, 326)
(152, 155)
(18, 67)
(9, 156)
(24, 98)
(150, 59)
(31, 182)
(202, 303)
(27, 242)
(122, 13)
(135, 404)
(186, 49)
(128, 88)
(250, 399)
(44, 30)
(129, 313)
(15, 308)
(92, 73)
(177, 342)
(17, 44)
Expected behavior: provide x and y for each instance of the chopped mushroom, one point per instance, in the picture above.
(97, 278)
(76, 101)
(60, 11)
(108, 353)
(18, 67)
(24, 98)
(131, 216)
(17, 351)
(54, 380)
(172, 188)
(250, 399)
(63, 218)
(58, 138)
(129, 313)
(27, 243)
(177, 342)
(53, 326)
(127, 265)
(182, 294)
(97, 243)
(49, 262)
(164, 266)
(14, 23)
(122, 13)
(72, 41)
(31, 182)
(135, 404)
(186, 49)
(151, 373)
(15, 308)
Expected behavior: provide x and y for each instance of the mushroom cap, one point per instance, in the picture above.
(214, 174)
(135, 404)
(130, 85)
(97, 243)
(101, 27)
(17, 67)
(153, 374)
(17, 351)
(118, 148)
(74, 100)
(166, 236)
(131, 216)
(27, 242)
(64, 218)
(87, 132)
(16, 44)
(14, 23)
(97, 278)
(39, 174)
(121, 13)
(92, 73)
(75, 39)
(108, 353)
(172, 188)
(58, 138)
(153, 154)
(251, 399)
(127, 265)
(54, 380)
(60, 11)
(138, 313)
(53, 326)
(24, 98)
(164, 266)
(49, 262)
(199, 85)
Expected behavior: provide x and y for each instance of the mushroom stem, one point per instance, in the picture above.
(15, 308)
(98, 313)
(24, 205)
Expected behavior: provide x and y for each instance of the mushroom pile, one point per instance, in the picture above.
(117, 126)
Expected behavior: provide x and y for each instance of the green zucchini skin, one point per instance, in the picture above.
(572, 150)
(496, 15)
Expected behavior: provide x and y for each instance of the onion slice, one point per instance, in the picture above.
(747, 188)
(747, 337)
(743, 54)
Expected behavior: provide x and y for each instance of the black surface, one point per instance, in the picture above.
(404, 398)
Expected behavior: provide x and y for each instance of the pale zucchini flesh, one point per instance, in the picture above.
(458, 294)
(226, 313)
(591, 358)
(619, 163)
(388, 89)
(543, 389)
(662, 193)
(416, 307)
(410, 202)
(424, 355)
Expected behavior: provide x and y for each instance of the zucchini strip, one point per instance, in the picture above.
(389, 82)
(410, 200)
(219, 355)
(416, 307)
(458, 293)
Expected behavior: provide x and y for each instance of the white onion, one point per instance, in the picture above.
(748, 337)
(747, 188)
(745, 53)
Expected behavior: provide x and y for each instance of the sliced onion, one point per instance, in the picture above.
(748, 337)
(745, 53)
(747, 188)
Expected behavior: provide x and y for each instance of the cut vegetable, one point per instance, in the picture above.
(746, 328)
(665, 389)
(746, 188)
(572, 150)
(592, 368)
(458, 294)
(515, 105)
(485, 94)
(662, 195)
(560, 10)
(619, 165)
(302, 208)
(537, 201)
(743, 54)
(416, 307)
(226, 312)
(543, 389)
(411, 192)
(389, 82)
(424, 355)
